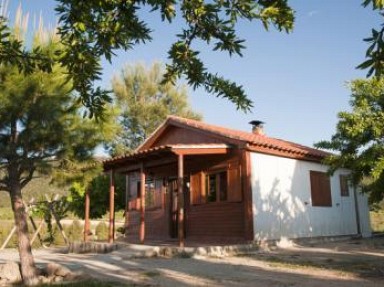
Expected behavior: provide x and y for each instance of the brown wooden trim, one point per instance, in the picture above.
(247, 194)
(286, 154)
(200, 151)
(180, 201)
(124, 167)
(127, 201)
(111, 235)
(142, 205)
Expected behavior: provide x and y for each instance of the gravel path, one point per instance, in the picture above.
(349, 264)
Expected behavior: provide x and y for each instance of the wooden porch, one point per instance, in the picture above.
(173, 203)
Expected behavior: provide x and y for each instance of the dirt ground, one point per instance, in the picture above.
(347, 263)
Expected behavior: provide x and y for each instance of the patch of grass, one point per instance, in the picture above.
(377, 220)
(6, 213)
(344, 268)
(151, 273)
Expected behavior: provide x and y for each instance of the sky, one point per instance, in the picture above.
(298, 82)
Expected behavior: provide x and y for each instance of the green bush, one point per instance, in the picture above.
(58, 239)
(75, 231)
(377, 220)
(101, 231)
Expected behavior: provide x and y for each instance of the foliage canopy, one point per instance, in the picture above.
(359, 137)
(95, 29)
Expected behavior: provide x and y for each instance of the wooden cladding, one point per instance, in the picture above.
(221, 220)
(217, 185)
(320, 189)
(344, 188)
(234, 183)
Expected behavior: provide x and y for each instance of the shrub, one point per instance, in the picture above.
(57, 236)
(101, 231)
(75, 231)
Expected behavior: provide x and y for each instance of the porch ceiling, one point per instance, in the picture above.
(161, 155)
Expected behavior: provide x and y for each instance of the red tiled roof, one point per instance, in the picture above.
(258, 143)
(255, 141)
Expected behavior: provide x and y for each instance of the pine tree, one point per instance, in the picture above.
(41, 129)
(145, 103)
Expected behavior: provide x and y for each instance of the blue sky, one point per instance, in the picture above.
(297, 81)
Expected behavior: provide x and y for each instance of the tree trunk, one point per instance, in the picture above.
(28, 267)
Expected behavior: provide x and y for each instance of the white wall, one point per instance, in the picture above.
(282, 205)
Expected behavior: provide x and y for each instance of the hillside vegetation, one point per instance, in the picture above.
(36, 189)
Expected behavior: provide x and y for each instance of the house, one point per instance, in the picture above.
(195, 181)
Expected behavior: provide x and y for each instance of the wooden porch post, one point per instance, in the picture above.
(111, 235)
(247, 195)
(142, 205)
(180, 201)
(86, 216)
(127, 197)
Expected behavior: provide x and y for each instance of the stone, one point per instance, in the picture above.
(11, 272)
(3, 282)
(45, 280)
(56, 269)
(58, 279)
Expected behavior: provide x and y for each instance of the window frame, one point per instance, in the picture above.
(344, 185)
(217, 175)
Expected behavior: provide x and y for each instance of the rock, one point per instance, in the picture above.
(58, 279)
(45, 280)
(10, 271)
(56, 269)
(3, 282)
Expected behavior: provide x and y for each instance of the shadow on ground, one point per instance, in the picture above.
(353, 263)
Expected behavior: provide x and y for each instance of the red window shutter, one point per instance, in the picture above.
(197, 193)
(320, 189)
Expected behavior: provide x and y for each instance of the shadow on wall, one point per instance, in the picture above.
(282, 205)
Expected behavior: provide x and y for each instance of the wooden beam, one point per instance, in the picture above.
(127, 199)
(149, 163)
(37, 232)
(180, 201)
(86, 216)
(142, 205)
(111, 235)
(247, 194)
(200, 151)
(8, 238)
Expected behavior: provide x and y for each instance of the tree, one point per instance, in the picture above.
(359, 137)
(144, 104)
(40, 129)
(95, 29)
(375, 53)
(98, 188)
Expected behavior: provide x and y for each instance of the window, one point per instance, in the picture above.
(320, 189)
(153, 193)
(344, 189)
(216, 186)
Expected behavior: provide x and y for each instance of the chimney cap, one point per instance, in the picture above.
(256, 123)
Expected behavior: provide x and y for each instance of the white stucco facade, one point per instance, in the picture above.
(282, 204)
